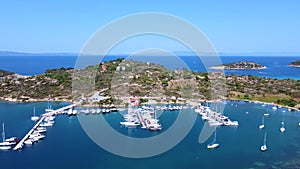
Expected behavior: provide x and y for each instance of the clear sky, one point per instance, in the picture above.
(231, 25)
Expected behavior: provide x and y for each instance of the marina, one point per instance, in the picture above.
(34, 134)
(67, 129)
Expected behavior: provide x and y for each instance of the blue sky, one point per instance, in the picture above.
(231, 25)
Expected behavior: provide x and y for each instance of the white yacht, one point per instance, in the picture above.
(282, 129)
(155, 126)
(48, 109)
(41, 129)
(5, 147)
(5, 144)
(70, 112)
(263, 123)
(28, 142)
(12, 139)
(264, 146)
(130, 123)
(49, 118)
(75, 112)
(47, 124)
(34, 117)
(213, 144)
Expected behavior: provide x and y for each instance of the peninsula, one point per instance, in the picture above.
(117, 81)
(240, 65)
(295, 63)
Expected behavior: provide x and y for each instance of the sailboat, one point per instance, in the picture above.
(264, 146)
(282, 129)
(263, 123)
(213, 144)
(34, 117)
(4, 145)
(49, 108)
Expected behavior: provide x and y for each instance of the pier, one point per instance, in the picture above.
(50, 113)
(142, 122)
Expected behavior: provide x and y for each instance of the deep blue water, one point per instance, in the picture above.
(67, 146)
(277, 67)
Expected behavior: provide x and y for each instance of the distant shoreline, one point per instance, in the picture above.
(226, 68)
(193, 103)
(240, 65)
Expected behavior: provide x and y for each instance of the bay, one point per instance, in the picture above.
(67, 145)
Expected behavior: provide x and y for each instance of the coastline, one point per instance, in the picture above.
(187, 102)
(34, 100)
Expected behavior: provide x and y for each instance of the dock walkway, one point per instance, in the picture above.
(141, 119)
(51, 113)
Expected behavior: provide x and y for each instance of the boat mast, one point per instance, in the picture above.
(215, 139)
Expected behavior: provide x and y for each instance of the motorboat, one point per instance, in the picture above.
(12, 139)
(263, 123)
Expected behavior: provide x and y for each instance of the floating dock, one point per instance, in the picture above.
(21, 143)
(142, 121)
(51, 113)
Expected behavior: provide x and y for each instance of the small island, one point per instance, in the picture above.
(240, 65)
(295, 63)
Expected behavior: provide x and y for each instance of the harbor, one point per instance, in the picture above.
(67, 129)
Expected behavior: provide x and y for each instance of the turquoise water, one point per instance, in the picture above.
(67, 146)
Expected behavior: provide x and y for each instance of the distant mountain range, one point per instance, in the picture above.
(10, 53)
(180, 53)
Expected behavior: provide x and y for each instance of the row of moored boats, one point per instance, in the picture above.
(214, 118)
(144, 117)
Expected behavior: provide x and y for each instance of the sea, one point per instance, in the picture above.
(277, 66)
(68, 146)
